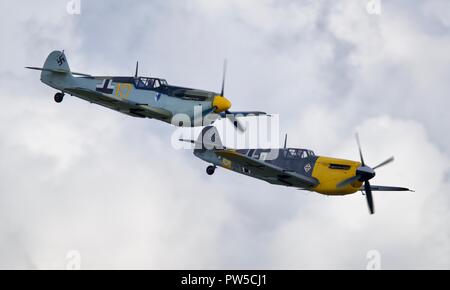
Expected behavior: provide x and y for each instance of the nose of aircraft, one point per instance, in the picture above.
(365, 172)
(221, 104)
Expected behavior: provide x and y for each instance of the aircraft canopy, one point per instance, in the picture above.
(292, 153)
(149, 83)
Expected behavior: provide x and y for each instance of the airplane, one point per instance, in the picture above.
(142, 97)
(292, 167)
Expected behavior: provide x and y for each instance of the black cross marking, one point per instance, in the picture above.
(105, 89)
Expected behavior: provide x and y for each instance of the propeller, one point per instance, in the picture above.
(224, 74)
(236, 123)
(369, 197)
(384, 163)
(137, 69)
(363, 174)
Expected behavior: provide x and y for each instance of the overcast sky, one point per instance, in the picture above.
(78, 177)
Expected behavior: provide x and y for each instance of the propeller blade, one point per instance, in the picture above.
(360, 151)
(222, 91)
(348, 181)
(389, 188)
(384, 163)
(236, 123)
(368, 190)
(137, 69)
(285, 141)
(208, 111)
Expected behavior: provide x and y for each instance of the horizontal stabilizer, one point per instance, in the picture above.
(208, 139)
(188, 141)
(201, 144)
(58, 71)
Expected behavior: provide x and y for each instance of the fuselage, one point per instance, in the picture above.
(328, 171)
(152, 93)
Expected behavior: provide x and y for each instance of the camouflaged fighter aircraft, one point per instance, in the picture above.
(142, 97)
(299, 168)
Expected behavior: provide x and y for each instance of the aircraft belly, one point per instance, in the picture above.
(122, 106)
(99, 102)
(224, 163)
(265, 176)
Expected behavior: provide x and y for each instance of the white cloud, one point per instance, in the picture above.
(410, 229)
(77, 176)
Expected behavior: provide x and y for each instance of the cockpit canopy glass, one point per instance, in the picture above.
(292, 153)
(149, 83)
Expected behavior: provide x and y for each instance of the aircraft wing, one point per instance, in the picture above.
(387, 188)
(137, 110)
(243, 114)
(269, 171)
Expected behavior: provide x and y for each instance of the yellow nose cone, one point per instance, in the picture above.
(221, 103)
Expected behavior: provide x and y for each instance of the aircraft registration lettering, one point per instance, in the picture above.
(123, 90)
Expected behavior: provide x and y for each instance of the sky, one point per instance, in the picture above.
(82, 185)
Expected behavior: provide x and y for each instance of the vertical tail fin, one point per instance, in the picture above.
(209, 139)
(57, 62)
(56, 71)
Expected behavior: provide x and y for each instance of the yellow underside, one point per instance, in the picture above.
(329, 178)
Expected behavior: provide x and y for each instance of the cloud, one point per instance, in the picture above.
(80, 177)
(337, 232)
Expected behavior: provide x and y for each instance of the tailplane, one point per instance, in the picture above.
(208, 139)
(56, 62)
(56, 71)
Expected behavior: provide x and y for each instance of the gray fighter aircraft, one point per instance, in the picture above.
(143, 97)
(293, 167)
